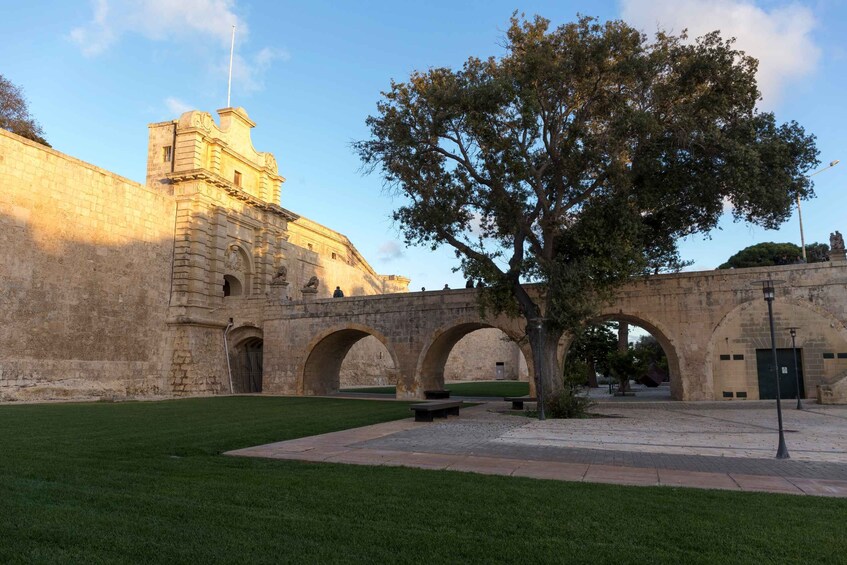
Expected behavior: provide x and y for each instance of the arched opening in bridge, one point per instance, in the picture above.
(246, 366)
(368, 367)
(623, 356)
(472, 352)
(486, 354)
(323, 368)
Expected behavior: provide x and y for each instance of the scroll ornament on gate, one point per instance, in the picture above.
(233, 260)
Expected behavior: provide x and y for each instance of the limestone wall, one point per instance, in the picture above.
(85, 267)
(473, 358)
(476, 358)
(336, 262)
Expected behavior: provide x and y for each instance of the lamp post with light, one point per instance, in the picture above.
(538, 324)
(800, 213)
(768, 291)
(793, 332)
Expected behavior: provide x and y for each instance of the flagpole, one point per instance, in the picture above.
(229, 83)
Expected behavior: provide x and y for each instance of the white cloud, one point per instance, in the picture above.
(780, 38)
(177, 107)
(98, 35)
(248, 72)
(389, 250)
(202, 22)
(158, 20)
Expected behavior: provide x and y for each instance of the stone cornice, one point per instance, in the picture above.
(232, 189)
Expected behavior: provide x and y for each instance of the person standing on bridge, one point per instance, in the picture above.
(338, 293)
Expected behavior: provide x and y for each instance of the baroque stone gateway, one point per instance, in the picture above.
(199, 282)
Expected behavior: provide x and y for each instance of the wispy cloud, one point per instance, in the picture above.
(249, 72)
(203, 22)
(176, 106)
(389, 251)
(98, 35)
(779, 37)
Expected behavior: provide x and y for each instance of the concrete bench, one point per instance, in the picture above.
(436, 394)
(517, 401)
(425, 412)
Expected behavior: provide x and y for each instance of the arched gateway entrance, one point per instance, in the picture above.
(246, 360)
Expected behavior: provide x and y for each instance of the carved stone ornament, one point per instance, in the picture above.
(233, 260)
(270, 162)
(281, 276)
(313, 283)
(202, 120)
(836, 241)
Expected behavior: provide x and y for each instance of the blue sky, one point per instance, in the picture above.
(309, 73)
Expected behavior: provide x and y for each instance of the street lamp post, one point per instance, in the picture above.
(538, 324)
(793, 332)
(768, 291)
(799, 211)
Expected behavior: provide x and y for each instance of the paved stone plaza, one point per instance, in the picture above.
(701, 445)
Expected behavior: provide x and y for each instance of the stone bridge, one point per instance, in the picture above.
(710, 324)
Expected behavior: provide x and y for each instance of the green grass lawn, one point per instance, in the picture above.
(145, 482)
(479, 388)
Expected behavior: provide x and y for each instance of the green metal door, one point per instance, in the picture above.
(787, 377)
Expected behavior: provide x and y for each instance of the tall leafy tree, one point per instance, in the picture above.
(770, 253)
(592, 346)
(576, 161)
(14, 113)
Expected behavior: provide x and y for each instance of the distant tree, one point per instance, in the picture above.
(591, 347)
(769, 253)
(817, 253)
(626, 365)
(655, 361)
(577, 161)
(14, 114)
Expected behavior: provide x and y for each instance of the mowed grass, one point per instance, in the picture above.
(145, 483)
(478, 388)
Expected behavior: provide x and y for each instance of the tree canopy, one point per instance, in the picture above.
(770, 253)
(577, 160)
(14, 113)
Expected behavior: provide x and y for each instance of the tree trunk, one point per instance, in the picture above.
(623, 336)
(544, 344)
(592, 372)
(623, 345)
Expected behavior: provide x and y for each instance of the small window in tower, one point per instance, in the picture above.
(310, 246)
(166, 153)
(334, 256)
(237, 179)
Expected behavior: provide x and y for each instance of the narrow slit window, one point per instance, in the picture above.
(167, 151)
(237, 178)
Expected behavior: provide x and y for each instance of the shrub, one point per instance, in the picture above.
(570, 403)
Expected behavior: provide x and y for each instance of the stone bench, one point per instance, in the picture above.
(436, 394)
(517, 401)
(425, 412)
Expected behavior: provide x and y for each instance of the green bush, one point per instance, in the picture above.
(570, 403)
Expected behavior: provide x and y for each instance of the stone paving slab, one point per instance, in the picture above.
(486, 440)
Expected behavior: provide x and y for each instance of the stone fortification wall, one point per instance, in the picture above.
(333, 258)
(474, 358)
(85, 266)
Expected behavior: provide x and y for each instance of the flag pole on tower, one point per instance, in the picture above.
(231, 51)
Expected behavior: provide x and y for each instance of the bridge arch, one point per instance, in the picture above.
(320, 373)
(731, 353)
(678, 381)
(429, 372)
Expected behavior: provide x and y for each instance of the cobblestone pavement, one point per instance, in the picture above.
(715, 439)
(704, 445)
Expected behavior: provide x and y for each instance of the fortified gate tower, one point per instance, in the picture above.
(230, 232)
